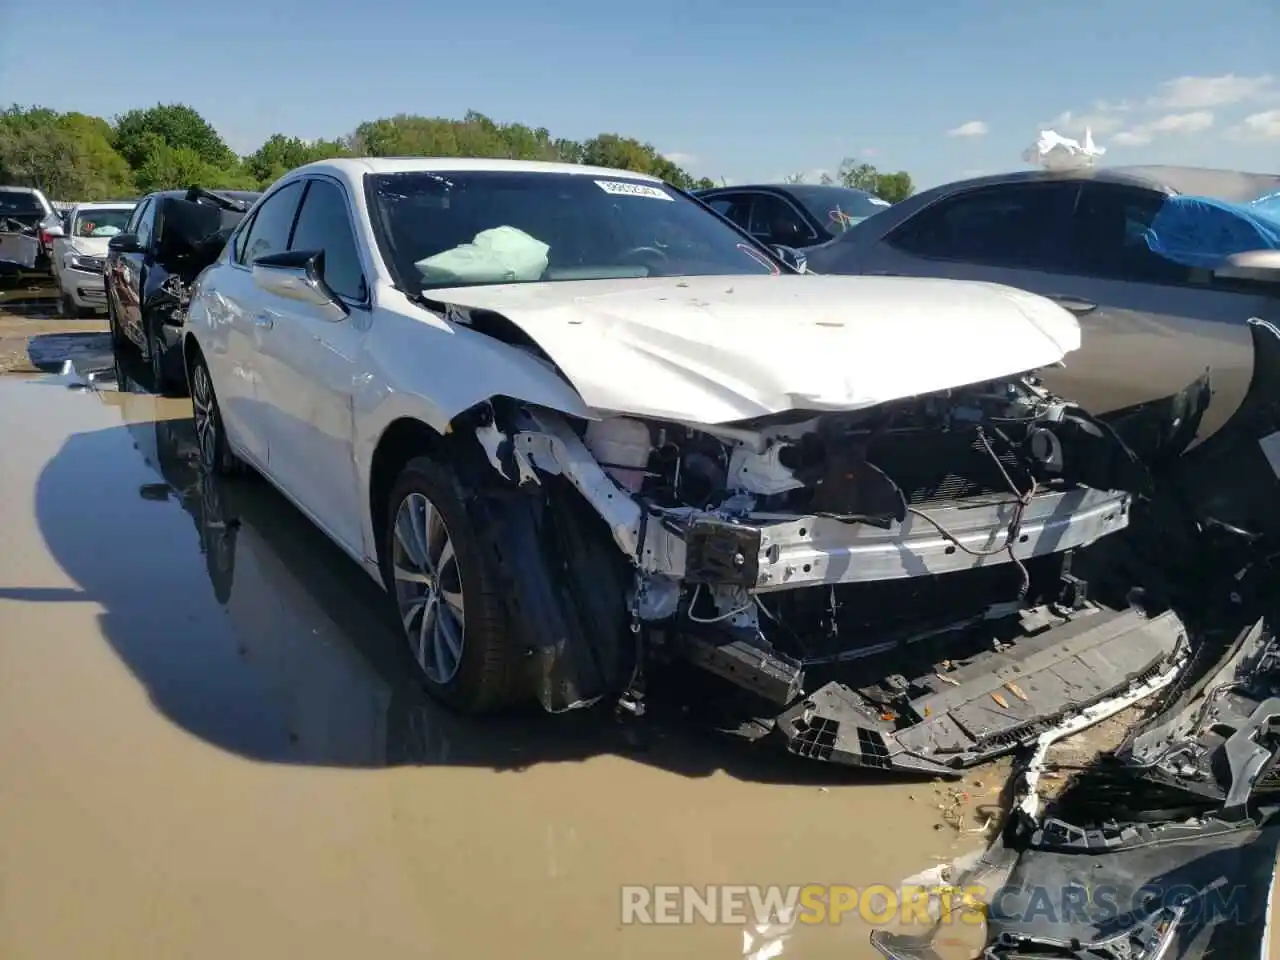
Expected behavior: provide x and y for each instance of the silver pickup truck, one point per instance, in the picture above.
(25, 216)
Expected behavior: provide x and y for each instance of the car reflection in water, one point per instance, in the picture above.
(317, 635)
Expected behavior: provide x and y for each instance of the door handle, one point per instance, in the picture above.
(1074, 304)
(264, 321)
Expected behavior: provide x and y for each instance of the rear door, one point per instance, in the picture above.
(247, 318)
(1151, 326)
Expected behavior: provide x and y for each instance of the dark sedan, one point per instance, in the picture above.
(793, 214)
(170, 237)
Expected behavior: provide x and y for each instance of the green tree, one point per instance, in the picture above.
(66, 155)
(894, 187)
(74, 156)
(178, 126)
(280, 154)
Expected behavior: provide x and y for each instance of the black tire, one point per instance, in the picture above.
(122, 349)
(482, 682)
(211, 436)
(165, 365)
(67, 307)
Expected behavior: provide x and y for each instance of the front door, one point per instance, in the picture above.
(311, 371)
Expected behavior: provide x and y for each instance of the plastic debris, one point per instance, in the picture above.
(1052, 151)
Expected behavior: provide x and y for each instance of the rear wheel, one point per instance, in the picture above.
(444, 591)
(215, 454)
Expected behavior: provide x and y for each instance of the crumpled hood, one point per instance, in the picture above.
(719, 349)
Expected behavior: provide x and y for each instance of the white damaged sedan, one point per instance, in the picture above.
(584, 430)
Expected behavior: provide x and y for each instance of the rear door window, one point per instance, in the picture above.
(1007, 225)
(773, 220)
(1107, 236)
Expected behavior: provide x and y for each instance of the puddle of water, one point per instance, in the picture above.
(210, 745)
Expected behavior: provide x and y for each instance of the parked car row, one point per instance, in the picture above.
(150, 265)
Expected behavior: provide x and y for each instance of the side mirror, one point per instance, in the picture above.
(298, 275)
(124, 243)
(55, 231)
(792, 257)
(1258, 265)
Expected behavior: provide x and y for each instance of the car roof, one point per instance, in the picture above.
(354, 168)
(1229, 185)
(102, 204)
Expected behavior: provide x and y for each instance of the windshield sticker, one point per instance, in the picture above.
(620, 189)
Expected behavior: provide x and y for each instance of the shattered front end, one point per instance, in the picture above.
(916, 585)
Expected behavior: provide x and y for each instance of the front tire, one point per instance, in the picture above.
(215, 454)
(443, 590)
(164, 376)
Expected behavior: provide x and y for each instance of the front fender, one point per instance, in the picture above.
(430, 370)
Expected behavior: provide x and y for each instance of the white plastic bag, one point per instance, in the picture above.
(500, 255)
(1055, 152)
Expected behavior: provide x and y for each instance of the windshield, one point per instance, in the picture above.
(103, 222)
(838, 208)
(488, 227)
(19, 203)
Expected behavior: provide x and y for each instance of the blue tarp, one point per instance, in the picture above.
(1202, 232)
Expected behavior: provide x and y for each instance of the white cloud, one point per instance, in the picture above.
(1173, 123)
(679, 158)
(1103, 119)
(1196, 93)
(1258, 126)
(974, 128)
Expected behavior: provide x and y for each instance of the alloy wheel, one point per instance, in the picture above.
(428, 584)
(205, 414)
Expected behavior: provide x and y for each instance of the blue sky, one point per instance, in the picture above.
(739, 91)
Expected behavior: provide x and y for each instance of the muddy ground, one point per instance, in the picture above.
(210, 744)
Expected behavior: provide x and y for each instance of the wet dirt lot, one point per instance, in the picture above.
(210, 745)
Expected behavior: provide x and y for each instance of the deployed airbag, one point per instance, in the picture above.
(500, 255)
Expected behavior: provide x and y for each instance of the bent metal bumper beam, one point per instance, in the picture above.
(767, 553)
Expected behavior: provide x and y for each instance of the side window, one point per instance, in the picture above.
(136, 217)
(324, 224)
(1002, 226)
(239, 243)
(1107, 236)
(269, 232)
(773, 220)
(734, 206)
(146, 228)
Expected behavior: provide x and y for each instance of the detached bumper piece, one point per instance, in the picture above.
(996, 702)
